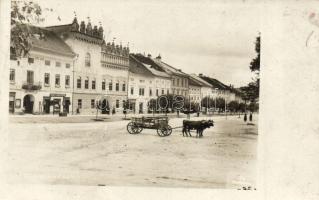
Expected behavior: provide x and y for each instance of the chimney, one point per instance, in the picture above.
(159, 57)
(200, 74)
(149, 55)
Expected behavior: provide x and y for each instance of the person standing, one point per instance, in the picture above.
(245, 117)
(251, 117)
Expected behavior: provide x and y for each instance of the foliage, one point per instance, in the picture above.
(233, 106)
(251, 91)
(255, 63)
(23, 14)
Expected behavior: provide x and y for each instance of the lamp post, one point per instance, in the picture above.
(76, 57)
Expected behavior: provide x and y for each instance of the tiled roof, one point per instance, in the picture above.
(138, 67)
(201, 81)
(215, 83)
(47, 41)
(168, 68)
(150, 65)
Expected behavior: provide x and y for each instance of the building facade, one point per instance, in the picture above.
(146, 82)
(100, 70)
(179, 79)
(42, 82)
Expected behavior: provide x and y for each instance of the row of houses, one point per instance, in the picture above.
(70, 67)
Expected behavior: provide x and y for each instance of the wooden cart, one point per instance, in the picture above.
(137, 124)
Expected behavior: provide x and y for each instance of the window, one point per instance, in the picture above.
(78, 82)
(87, 60)
(141, 92)
(46, 79)
(173, 81)
(103, 85)
(86, 83)
(142, 81)
(93, 85)
(47, 62)
(67, 81)
(57, 64)
(162, 91)
(30, 77)
(67, 65)
(110, 86)
(92, 103)
(156, 92)
(30, 60)
(151, 92)
(79, 103)
(57, 80)
(177, 82)
(167, 91)
(12, 75)
(117, 104)
(132, 90)
(123, 87)
(117, 87)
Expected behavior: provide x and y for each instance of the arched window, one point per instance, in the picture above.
(88, 60)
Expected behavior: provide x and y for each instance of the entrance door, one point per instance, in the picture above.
(66, 104)
(11, 102)
(141, 108)
(46, 105)
(28, 102)
(105, 107)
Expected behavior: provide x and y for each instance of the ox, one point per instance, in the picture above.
(199, 126)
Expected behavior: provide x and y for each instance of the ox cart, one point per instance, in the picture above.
(137, 124)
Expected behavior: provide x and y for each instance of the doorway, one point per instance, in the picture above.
(28, 102)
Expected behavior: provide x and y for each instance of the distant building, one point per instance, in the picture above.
(146, 81)
(42, 81)
(179, 79)
(205, 88)
(220, 90)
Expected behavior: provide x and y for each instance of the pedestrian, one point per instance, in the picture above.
(197, 113)
(245, 117)
(251, 117)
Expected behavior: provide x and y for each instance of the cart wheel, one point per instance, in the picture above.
(164, 131)
(169, 130)
(132, 128)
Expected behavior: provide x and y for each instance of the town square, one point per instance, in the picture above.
(92, 102)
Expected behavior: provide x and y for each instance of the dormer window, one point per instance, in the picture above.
(87, 60)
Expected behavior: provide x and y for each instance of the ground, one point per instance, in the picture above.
(81, 151)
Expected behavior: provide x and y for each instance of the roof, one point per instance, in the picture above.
(47, 41)
(201, 81)
(137, 67)
(168, 68)
(149, 65)
(194, 82)
(215, 83)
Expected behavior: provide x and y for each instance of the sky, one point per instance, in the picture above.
(215, 38)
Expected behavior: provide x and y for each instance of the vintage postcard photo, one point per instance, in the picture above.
(134, 93)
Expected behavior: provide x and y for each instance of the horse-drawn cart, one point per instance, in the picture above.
(137, 124)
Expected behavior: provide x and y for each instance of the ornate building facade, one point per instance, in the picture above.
(99, 70)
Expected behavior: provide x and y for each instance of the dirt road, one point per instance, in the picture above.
(103, 153)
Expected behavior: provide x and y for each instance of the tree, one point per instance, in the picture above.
(23, 14)
(233, 106)
(126, 106)
(255, 63)
(251, 91)
(220, 104)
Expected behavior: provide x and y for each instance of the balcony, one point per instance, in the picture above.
(32, 86)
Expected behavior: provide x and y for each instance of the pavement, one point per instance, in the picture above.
(103, 153)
